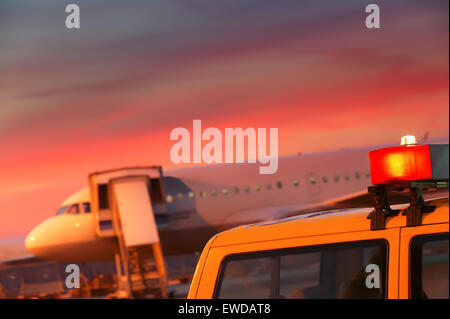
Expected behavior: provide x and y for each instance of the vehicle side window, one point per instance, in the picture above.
(332, 271)
(246, 278)
(429, 266)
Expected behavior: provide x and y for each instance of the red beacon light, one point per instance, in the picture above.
(411, 167)
(409, 163)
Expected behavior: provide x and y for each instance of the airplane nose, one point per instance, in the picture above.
(68, 238)
(31, 241)
(40, 238)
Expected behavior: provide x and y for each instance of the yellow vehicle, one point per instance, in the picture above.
(381, 252)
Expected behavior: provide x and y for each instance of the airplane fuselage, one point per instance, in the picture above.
(201, 201)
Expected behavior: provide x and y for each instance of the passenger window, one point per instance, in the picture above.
(73, 210)
(325, 179)
(247, 189)
(225, 191)
(280, 185)
(429, 267)
(336, 178)
(330, 272)
(236, 190)
(258, 188)
(295, 183)
(357, 176)
(269, 186)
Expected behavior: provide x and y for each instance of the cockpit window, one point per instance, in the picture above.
(73, 209)
(86, 207)
(62, 210)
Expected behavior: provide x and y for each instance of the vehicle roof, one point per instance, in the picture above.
(323, 223)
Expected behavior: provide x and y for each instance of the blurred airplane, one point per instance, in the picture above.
(202, 201)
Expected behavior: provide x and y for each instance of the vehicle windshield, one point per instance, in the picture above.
(61, 210)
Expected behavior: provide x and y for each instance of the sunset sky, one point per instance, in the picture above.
(109, 94)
